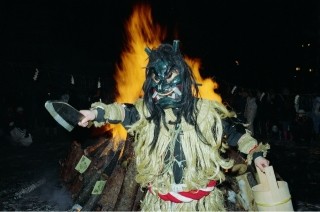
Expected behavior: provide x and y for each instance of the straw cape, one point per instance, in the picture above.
(204, 163)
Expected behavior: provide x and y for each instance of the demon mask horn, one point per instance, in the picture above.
(175, 45)
(148, 51)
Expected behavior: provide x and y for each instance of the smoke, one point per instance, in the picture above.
(57, 195)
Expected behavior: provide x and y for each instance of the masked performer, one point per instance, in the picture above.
(178, 136)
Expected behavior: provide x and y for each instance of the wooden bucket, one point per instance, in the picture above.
(270, 194)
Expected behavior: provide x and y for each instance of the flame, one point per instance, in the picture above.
(142, 32)
(207, 85)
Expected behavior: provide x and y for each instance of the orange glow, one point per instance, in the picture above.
(207, 86)
(141, 32)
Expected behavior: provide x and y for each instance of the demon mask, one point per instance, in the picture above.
(165, 77)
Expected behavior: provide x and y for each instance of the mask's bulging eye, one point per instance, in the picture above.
(171, 75)
(155, 77)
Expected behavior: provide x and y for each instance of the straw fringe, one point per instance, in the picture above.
(203, 162)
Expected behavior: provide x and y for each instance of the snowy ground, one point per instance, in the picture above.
(30, 175)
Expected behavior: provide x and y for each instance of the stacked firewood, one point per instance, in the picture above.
(105, 182)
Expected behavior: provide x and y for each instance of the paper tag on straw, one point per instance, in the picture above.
(98, 187)
(83, 164)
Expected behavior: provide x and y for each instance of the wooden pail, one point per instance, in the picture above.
(270, 194)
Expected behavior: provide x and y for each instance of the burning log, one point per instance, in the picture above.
(76, 186)
(121, 193)
(110, 194)
(88, 187)
(91, 203)
(128, 190)
(98, 163)
(94, 174)
(111, 164)
(89, 151)
(68, 173)
(103, 159)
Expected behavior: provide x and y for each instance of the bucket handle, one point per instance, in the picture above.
(268, 179)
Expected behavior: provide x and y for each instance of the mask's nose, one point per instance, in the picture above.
(161, 86)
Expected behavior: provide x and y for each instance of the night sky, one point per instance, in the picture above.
(86, 37)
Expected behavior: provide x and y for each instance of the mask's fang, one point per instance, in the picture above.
(177, 91)
(155, 94)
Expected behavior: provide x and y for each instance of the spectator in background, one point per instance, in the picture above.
(250, 110)
(20, 118)
(65, 97)
(18, 131)
(302, 128)
(286, 114)
(263, 111)
(239, 102)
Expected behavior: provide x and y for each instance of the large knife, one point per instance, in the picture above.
(66, 115)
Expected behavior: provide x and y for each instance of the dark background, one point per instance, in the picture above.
(84, 39)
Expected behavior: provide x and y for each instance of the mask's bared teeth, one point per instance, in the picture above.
(155, 94)
(177, 91)
(165, 94)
